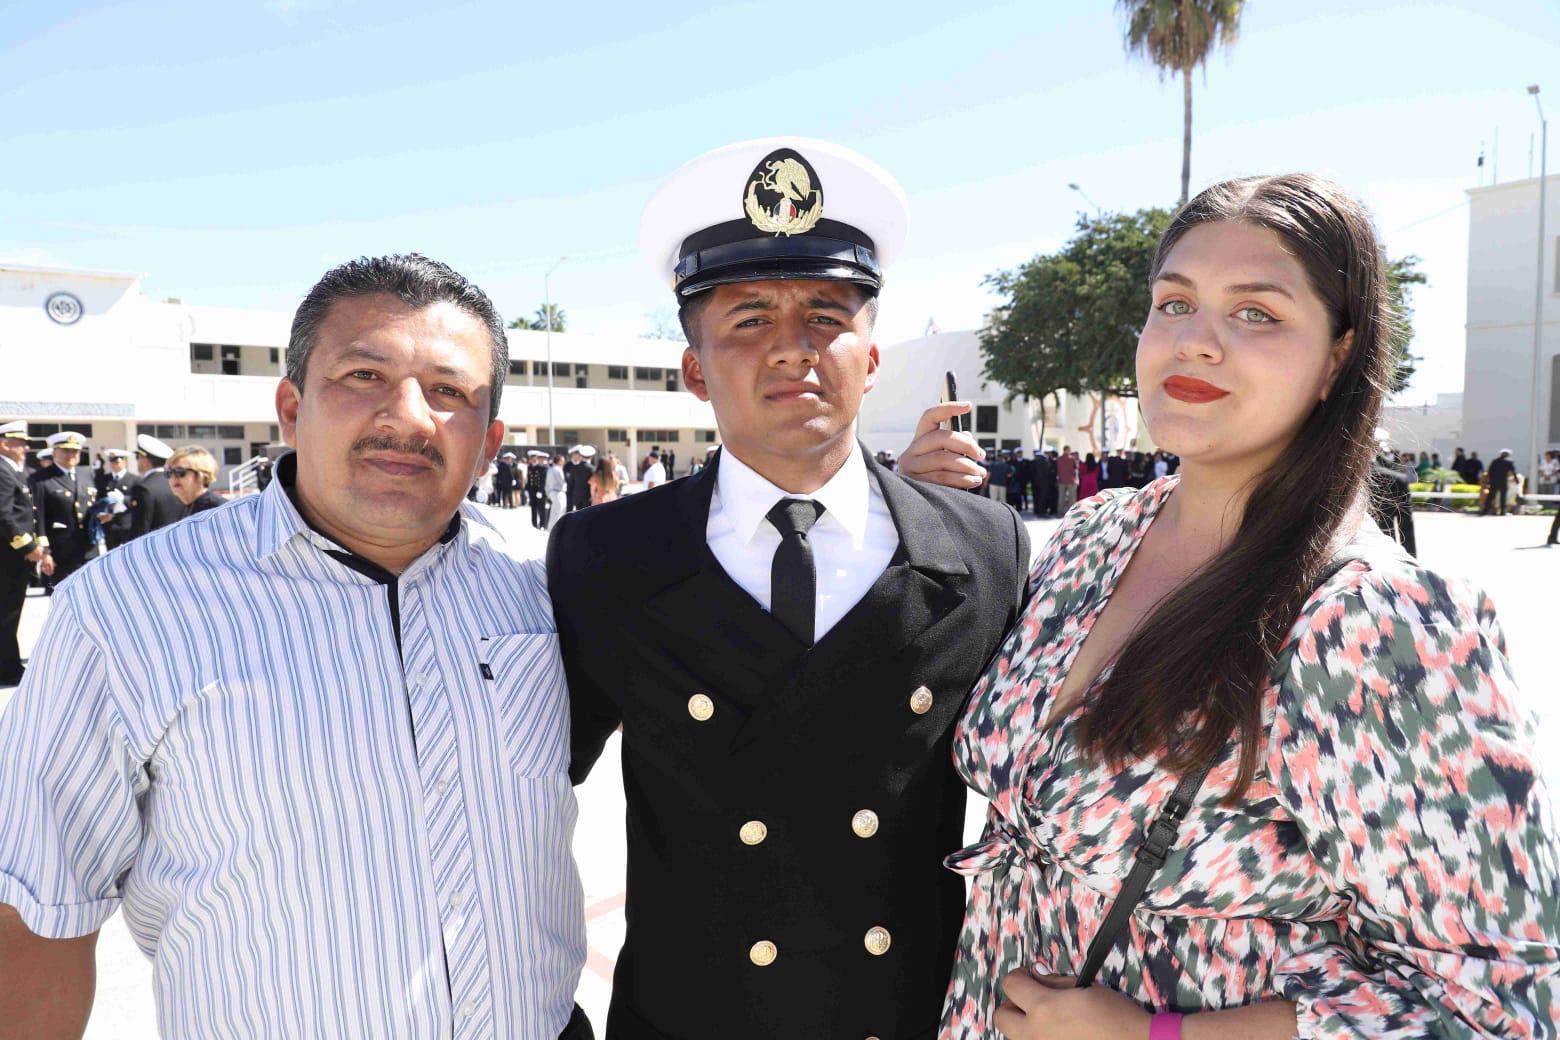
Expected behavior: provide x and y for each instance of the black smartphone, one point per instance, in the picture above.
(959, 423)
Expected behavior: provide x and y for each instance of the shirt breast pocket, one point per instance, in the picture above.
(523, 674)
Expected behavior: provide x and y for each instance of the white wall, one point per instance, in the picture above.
(1498, 374)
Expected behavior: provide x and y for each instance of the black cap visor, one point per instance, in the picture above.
(775, 257)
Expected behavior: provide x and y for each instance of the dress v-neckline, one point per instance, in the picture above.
(1050, 723)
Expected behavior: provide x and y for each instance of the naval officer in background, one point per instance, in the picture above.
(153, 505)
(114, 485)
(21, 550)
(794, 630)
(62, 495)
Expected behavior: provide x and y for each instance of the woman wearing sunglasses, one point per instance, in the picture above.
(191, 472)
(1247, 761)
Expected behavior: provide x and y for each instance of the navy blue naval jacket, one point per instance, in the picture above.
(762, 901)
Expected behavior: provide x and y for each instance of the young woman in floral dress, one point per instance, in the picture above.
(1370, 854)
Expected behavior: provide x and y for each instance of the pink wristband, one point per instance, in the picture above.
(1165, 1026)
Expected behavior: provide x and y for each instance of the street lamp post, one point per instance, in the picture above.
(1097, 211)
(1538, 296)
(547, 316)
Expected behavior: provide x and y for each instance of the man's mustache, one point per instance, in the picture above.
(423, 448)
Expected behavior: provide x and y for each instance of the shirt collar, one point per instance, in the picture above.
(19, 467)
(279, 521)
(746, 497)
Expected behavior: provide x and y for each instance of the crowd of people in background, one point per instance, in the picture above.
(554, 483)
(1049, 482)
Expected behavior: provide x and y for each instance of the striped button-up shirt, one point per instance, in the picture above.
(313, 831)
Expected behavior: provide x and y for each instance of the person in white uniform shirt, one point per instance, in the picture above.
(655, 473)
(330, 787)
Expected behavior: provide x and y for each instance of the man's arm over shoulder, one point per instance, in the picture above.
(593, 716)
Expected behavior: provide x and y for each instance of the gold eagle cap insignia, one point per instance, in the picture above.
(792, 201)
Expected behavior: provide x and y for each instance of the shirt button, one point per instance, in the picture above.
(468, 1009)
(763, 953)
(701, 707)
(457, 900)
(442, 787)
(878, 940)
(864, 823)
(753, 832)
(921, 700)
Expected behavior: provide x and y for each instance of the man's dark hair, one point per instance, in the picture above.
(692, 306)
(417, 282)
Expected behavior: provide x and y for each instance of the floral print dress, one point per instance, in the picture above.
(1391, 871)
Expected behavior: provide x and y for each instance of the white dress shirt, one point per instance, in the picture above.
(852, 541)
(313, 829)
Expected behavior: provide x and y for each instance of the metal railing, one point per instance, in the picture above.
(244, 479)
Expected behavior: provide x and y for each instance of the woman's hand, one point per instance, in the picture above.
(938, 456)
(1050, 1008)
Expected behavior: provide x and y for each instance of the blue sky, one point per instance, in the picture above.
(233, 151)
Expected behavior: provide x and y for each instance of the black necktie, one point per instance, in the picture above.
(793, 584)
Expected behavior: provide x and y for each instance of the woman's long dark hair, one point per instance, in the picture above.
(1193, 673)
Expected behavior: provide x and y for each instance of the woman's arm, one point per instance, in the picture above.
(1400, 749)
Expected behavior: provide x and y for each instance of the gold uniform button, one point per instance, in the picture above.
(921, 700)
(763, 953)
(753, 832)
(878, 941)
(864, 823)
(701, 707)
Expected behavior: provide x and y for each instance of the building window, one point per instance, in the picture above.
(560, 368)
(569, 438)
(203, 433)
(707, 436)
(617, 371)
(276, 356)
(232, 456)
(517, 368)
(230, 357)
(168, 431)
(649, 375)
(276, 434)
(985, 418)
(230, 433)
(581, 379)
(200, 351)
(988, 443)
(671, 379)
(617, 436)
(1010, 445)
(658, 436)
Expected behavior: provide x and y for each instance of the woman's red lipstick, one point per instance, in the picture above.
(1193, 391)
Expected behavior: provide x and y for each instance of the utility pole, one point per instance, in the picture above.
(552, 432)
(1538, 296)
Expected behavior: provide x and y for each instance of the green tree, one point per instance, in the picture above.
(538, 321)
(1069, 321)
(1402, 275)
(1176, 36)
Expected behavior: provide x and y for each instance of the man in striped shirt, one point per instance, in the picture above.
(328, 782)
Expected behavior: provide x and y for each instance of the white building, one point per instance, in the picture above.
(1502, 254)
(1431, 427)
(88, 351)
(910, 381)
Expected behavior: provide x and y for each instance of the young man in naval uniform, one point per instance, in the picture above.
(794, 630)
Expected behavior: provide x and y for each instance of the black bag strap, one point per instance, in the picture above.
(1157, 843)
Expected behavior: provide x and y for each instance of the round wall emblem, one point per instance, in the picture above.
(63, 308)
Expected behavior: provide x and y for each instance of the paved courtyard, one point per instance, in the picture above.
(1505, 555)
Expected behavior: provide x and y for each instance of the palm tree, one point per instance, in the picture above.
(1177, 36)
